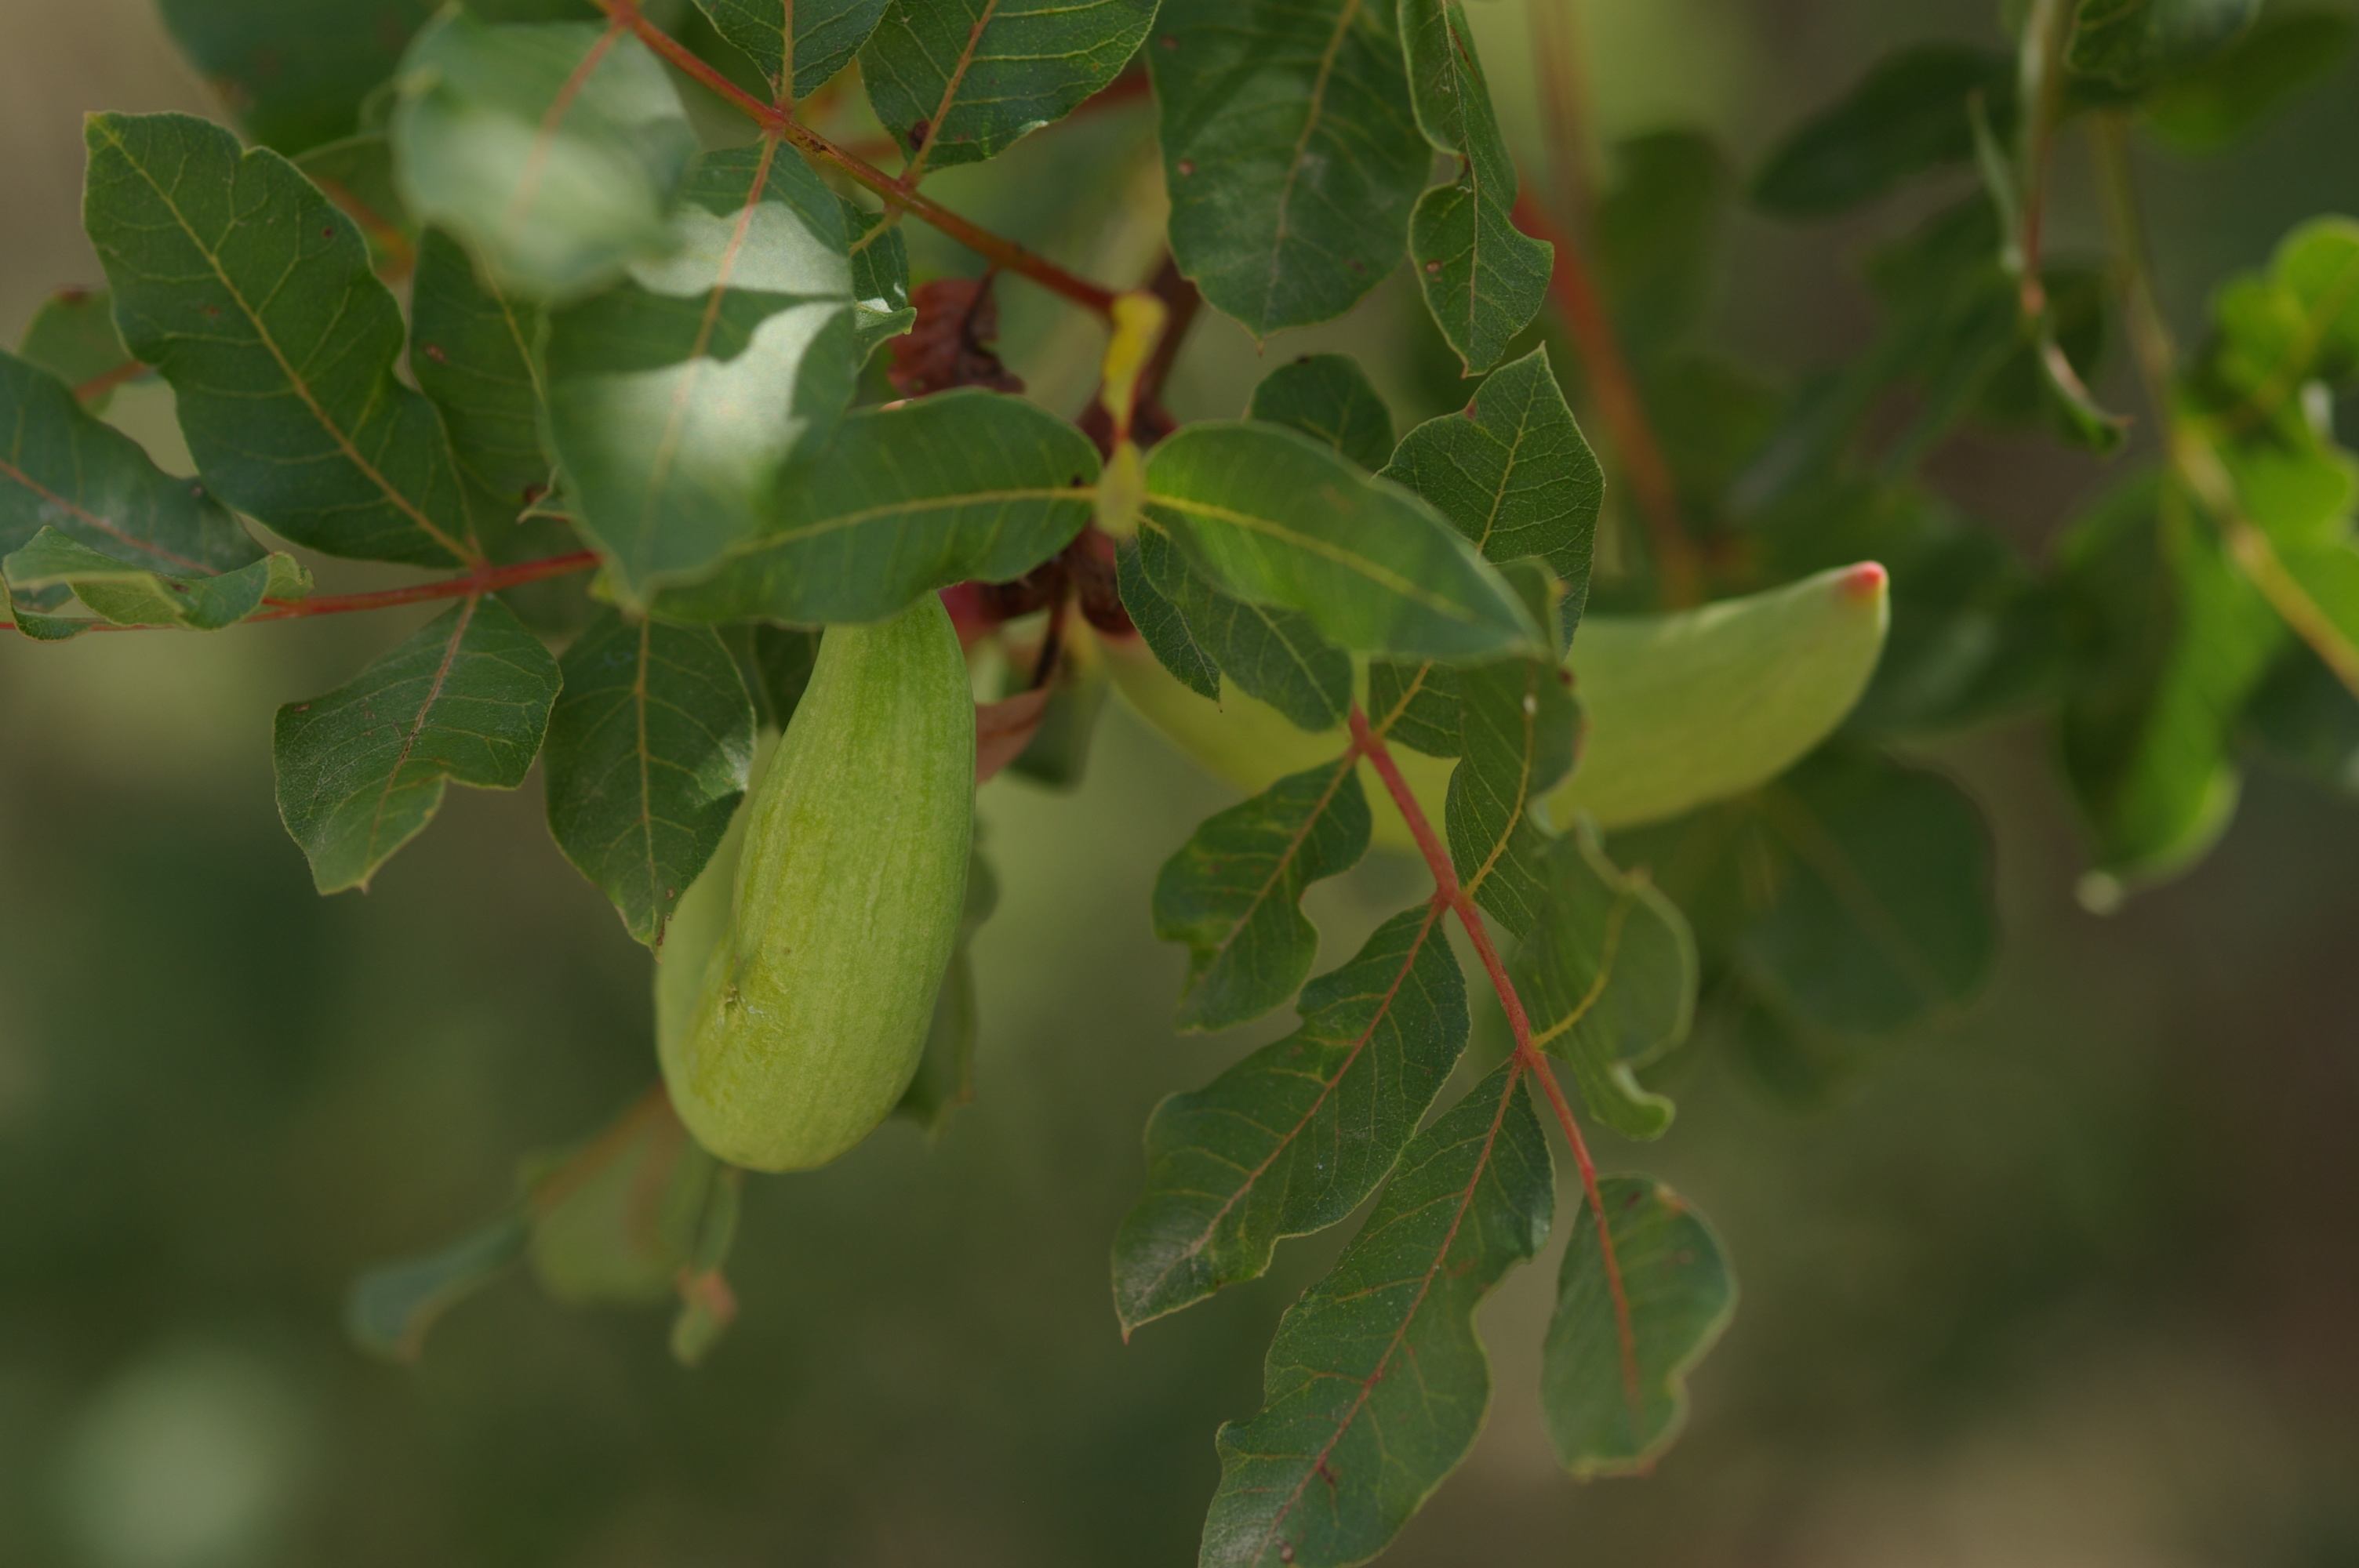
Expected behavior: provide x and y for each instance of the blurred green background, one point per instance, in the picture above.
(2072, 1283)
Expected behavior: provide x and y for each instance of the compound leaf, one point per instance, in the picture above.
(1293, 1138)
(959, 81)
(361, 769)
(649, 748)
(251, 294)
(1234, 892)
(1376, 1384)
(1290, 150)
(1613, 1377)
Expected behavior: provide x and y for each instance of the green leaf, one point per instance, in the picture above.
(471, 353)
(356, 173)
(1273, 518)
(33, 622)
(1615, 1403)
(294, 71)
(64, 470)
(253, 297)
(1160, 625)
(1295, 1137)
(361, 769)
(143, 595)
(1512, 473)
(2131, 44)
(945, 1079)
(649, 748)
(1484, 278)
(391, 1308)
(1234, 892)
(959, 81)
(965, 484)
(1376, 1384)
(1906, 117)
(72, 337)
(2275, 332)
(1328, 398)
(1272, 654)
(618, 1218)
(1608, 974)
(679, 399)
(553, 151)
(822, 35)
(1520, 728)
(2229, 95)
(1658, 232)
(880, 279)
(2303, 718)
(2165, 641)
(1290, 150)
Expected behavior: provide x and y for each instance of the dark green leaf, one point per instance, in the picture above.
(957, 80)
(1484, 278)
(1273, 518)
(1274, 655)
(1375, 1385)
(1614, 1377)
(1290, 149)
(391, 1307)
(616, 1219)
(822, 35)
(356, 174)
(2131, 44)
(2226, 97)
(1292, 1138)
(471, 351)
(965, 484)
(945, 1079)
(1658, 236)
(1234, 892)
(252, 296)
(144, 595)
(1328, 398)
(554, 151)
(1608, 973)
(361, 769)
(1907, 115)
(2304, 719)
(679, 399)
(1160, 625)
(1520, 728)
(72, 337)
(880, 279)
(648, 752)
(294, 71)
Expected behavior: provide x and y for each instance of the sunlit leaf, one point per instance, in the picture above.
(363, 768)
(1376, 1384)
(1273, 518)
(1613, 1379)
(1328, 398)
(554, 150)
(252, 296)
(648, 748)
(679, 399)
(1909, 115)
(1234, 892)
(821, 34)
(957, 80)
(1293, 1138)
(1290, 150)
(966, 484)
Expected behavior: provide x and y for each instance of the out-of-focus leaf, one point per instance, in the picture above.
(649, 749)
(1657, 233)
(294, 71)
(2275, 332)
(957, 80)
(2130, 44)
(1290, 150)
(2226, 97)
(1328, 398)
(707, 1305)
(1275, 518)
(553, 150)
(1058, 756)
(967, 484)
(615, 1219)
(679, 399)
(363, 768)
(252, 296)
(1376, 1384)
(822, 35)
(72, 337)
(880, 279)
(2304, 719)
(1234, 892)
(1613, 1379)
(1292, 1138)
(1483, 277)
(945, 1079)
(1907, 115)
(131, 594)
(1275, 655)
(1608, 973)
(390, 1308)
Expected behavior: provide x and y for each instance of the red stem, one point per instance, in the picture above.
(1529, 1060)
(1003, 252)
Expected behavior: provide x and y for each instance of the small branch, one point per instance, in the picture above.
(107, 381)
(2189, 453)
(1367, 742)
(1003, 252)
(2039, 98)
